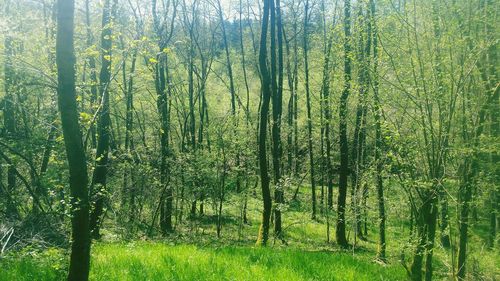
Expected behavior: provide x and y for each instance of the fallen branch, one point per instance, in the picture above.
(7, 239)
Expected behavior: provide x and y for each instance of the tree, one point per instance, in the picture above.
(93, 74)
(164, 31)
(381, 250)
(129, 189)
(9, 109)
(266, 92)
(277, 105)
(326, 102)
(471, 165)
(344, 149)
(78, 179)
(358, 144)
(308, 103)
(98, 185)
(180, 104)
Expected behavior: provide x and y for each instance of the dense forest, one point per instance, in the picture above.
(249, 140)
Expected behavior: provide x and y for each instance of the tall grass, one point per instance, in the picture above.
(159, 261)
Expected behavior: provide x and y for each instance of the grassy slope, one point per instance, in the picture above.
(160, 261)
(195, 253)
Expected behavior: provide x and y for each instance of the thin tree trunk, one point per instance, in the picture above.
(325, 88)
(276, 128)
(49, 35)
(381, 250)
(494, 208)
(129, 143)
(264, 111)
(163, 93)
(93, 75)
(358, 148)
(344, 149)
(9, 112)
(308, 103)
(98, 185)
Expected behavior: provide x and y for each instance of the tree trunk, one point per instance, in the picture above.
(470, 167)
(430, 223)
(78, 179)
(9, 113)
(325, 89)
(98, 186)
(308, 103)
(93, 75)
(163, 93)
(264, 112)
(358, 147)
(381, 250)
(276, 113)
(494, 109)
(129, 143)
(164, 110)
(465, 194)
(344, 149)
(418, 257)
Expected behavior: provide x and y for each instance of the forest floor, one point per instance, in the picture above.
(195, 253)
(159, 261)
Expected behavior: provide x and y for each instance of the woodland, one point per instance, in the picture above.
(249, 140)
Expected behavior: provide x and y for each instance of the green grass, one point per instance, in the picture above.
(33, 265)
(160, 261)
(195, 253)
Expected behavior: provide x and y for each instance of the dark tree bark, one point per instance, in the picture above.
(162, 79)
(247, 107)
(292, 77)
(344, 149)
(431, 224)
(358, 144)
(290, 109)
(166, 202)
(264, 112)
(99, 177)
(381, 250)
(190, 25)
(276, 127)
(78, 179)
